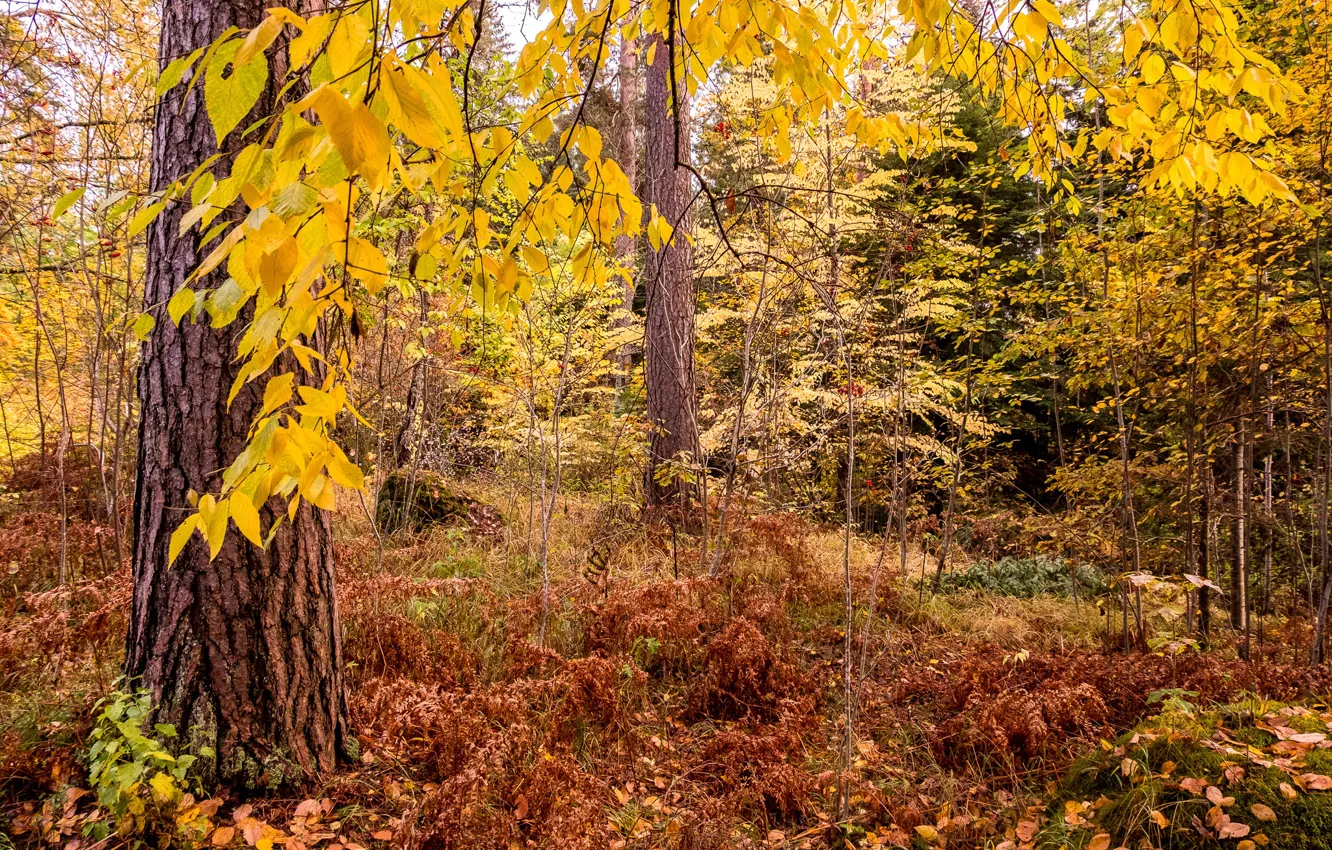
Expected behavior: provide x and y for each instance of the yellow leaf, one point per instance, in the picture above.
(359, 137)
(180, 537)
(67, 200)
(213, 523)
(536, 259)
(305, 45)
(164, 787)
(145, 217)
(367, 264)
(1032, 26)
(324, 405)
(1132, 42)
(411, 103)
(508, 274)
(231, 89)
(245, 516)
(276, 266)
(589, 142)
(1049, 12)
(1153, 68)
(258, 40)
(346, 473)
(180, 304)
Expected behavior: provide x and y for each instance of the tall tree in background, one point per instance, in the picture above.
(626, 246)
(672, 402)
(239, 645)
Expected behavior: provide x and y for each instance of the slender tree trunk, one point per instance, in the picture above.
(1239, 576)
(1205, 556)
(242, 654)
(626, 247)
(672, 404)
(412, 432)
(1317, 655)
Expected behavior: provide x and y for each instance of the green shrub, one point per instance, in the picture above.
(133, 775)
(1027, 577)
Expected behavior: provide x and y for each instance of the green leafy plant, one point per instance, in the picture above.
(130, 770)
(1174, 700)
(643, 650)
(1027, 577)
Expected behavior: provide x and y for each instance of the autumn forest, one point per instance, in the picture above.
(671, 424)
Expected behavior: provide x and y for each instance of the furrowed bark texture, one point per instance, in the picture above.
(672, 404)
(242, 653)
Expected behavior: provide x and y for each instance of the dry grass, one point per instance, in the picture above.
(1044, 623)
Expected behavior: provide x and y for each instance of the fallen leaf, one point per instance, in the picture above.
(521, 811)
(1246, 844)
(1263, 812)
(223, 835)
(776, 837)
(1193, 786)
(1288, 791)
(1219, 797)
(1234, 829)
(1100, 841)
(1308, 737)
(382, 835)
(1316, 781)
(927, 832)
(307, 808)
(1026, 831)
(1160, 819)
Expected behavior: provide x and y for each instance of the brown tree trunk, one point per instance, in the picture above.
(1239, 574)
(242, 654)
(672, 404)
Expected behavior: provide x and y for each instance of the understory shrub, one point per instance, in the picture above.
(1028, 577)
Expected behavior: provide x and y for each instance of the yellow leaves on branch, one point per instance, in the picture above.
(1188, 91)
(377, 116)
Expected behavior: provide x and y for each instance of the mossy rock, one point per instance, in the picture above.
(419, 499)
(1123, 804)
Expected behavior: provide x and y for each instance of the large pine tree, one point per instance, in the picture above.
(242, 652)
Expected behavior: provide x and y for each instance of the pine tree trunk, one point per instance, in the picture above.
(672, 405)
(242, 654)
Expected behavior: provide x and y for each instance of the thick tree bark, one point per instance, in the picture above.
(672, 403)
(242, 654)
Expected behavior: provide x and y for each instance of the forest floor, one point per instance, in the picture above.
(660, 708)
